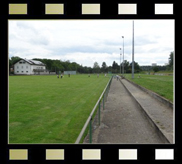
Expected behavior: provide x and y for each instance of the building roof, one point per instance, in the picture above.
(32, 62)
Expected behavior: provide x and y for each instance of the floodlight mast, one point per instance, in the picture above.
(133, 53)
(123, 56)
(120, 60)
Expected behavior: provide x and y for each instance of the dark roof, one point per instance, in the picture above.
(32, 62)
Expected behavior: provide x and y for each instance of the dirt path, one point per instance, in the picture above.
(122, 121)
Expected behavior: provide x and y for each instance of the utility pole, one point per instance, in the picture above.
(123, 55)
(120, 61)
(133, 53)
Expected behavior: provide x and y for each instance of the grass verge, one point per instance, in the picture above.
(162, 85)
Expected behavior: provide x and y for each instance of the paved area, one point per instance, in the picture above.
(122, 120)
(160, 114)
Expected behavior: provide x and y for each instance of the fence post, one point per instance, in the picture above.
(107, 92)
(106, 95)
(103, 100)
(99, 113)
(90, 137)
(89, 120)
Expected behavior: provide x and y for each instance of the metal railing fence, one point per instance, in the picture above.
(102, 99)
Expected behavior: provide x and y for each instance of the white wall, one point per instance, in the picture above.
(36, 67)
(70, 72)
(25, 68)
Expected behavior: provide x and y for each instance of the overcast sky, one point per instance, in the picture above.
(88, 41)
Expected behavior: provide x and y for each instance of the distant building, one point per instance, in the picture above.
(70, 72)
(29, 67)
(154, 64)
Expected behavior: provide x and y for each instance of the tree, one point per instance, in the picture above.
(80, 69)
(115, 67)
(109, 69)
(155, 69)
(126, 66)
(104, 67)
(10, 63)
(137, 68)
(14, 59)
(75, 66)
(96, 67)
(171, 60)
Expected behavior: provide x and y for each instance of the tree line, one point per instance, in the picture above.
(168, 66)
(54, 65)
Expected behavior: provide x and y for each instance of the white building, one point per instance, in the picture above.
(154, 64)
(29, 67)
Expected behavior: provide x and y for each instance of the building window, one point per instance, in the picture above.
(17, 66)
(21, 66)
(27, 71)
(20, 62)
(21, 71)
(17, 71)
(26, 66)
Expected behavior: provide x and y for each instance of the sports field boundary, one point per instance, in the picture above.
(103, 96)
(153, 94)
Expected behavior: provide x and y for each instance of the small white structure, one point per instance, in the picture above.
(70, 72)
(154, 64)
(29, 67)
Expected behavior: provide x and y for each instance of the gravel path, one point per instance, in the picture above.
(122, 120)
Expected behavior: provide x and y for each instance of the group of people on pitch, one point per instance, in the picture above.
(61, 76)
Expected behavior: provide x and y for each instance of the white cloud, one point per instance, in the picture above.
(87, 41)
(88, 59)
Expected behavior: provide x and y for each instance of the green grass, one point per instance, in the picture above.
(44, 109)
(162, 85)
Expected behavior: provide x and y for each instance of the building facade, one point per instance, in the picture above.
(154, 64)
(29, 67)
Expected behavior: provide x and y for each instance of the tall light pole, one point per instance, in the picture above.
(120, 61)
(133, 54)
(123, 56)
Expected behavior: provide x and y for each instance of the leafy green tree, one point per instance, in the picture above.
(126, 66)
(171, 60)
(96, 67)
(14, 59)
(137, 68)
(115, 67)
(155, 69)
(109, 69)
(104, 67)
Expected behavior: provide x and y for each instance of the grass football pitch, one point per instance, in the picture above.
(162, 85)
(45, 109)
